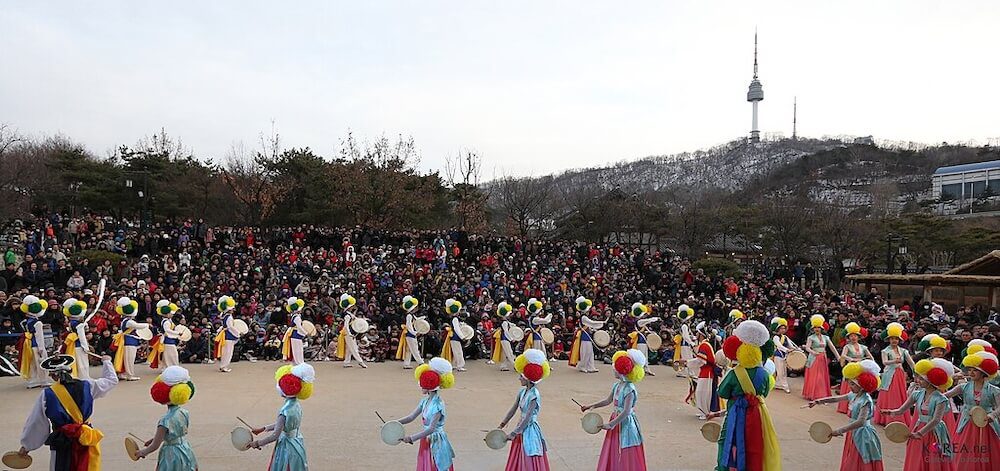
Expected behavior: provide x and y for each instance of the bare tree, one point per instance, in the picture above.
(248, 176)
(525, 202)
(463, 172)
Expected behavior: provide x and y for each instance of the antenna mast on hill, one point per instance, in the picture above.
(795, 117)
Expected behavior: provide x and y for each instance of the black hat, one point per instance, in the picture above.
(58, 363)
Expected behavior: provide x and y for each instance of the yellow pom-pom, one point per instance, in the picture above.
(447, 380)
(617, 355)
(922, 367)
(852, 328)
(878, 381)
(894, 329)
(546, 369)
(949, 384)
(852, 370)
(749, 355)
(180, 394)
(284, 370)
(974, 349)
(770, 383)
(972, 360)
(636, 374)
(939, 342)
(816, 320)
(420, 370)
(520, 362)
(306, 392)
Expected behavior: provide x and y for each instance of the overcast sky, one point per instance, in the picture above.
(534, 86)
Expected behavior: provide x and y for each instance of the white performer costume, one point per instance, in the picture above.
(132, 342)
(508, 350)
(412, 351)
(537, 342)
(78, 326)
(704, 383)
(226, 305)
(688, 342)
(351, 343)
(782, 347)
(640, 341)
(33, 326)
(457, 353)
(295, 340)
(586, 363)
(171, 337)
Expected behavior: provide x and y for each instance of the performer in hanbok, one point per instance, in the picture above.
(409, 349)
(295, 384)
(582, 353)
(736, 316)
(163, 347)
(31, 345)
(747, 440)
(75, 344)
(351, 351)
(892, 391)
(706, 392)
(528, 447)
(637, 338)
(687, 342)
(451, 345)
(853, 352)
(435, 453)
(936, 347)
(225, 340)
(930, 446)
(173, 389)
(533, 336)
(292, 342)
(978, 449)
(817, 380)
(497, 356)
(60, 417)
(506, 349)
(623, 449)
(862, 448)
(126, 342)
(782, 347)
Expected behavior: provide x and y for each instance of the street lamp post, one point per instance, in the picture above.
(890, 255)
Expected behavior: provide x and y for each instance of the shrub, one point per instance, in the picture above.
(715, 265)
(97, 257)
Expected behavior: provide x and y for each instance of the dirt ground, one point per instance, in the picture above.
(341, 429)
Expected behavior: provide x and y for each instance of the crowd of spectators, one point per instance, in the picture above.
(192, 263)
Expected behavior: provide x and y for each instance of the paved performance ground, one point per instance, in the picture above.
(341, 429)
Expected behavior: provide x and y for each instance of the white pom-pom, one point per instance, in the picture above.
(927, 338)
(580, 299)
(944, 365)
(637, 357)
(752, 332)
(305, 372)
(440, 365)
(534, 356)
(162, 302)
(29, 299)
(175, 375)
(122, 301)
(979, 342)
(71, 301)
(871, 367)
(988, 356)
(770, 366)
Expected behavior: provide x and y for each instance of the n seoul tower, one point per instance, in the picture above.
(755, 94)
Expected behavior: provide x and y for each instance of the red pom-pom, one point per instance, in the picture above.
(533, 372)
(429, 380)
(947, 347)
(160, 392)
(990, 350)
(989, 366)
(905, 336)
(290, 384)
(730, 346)
(868, 382)
(937, 376)
(864, 332)
(624, 364)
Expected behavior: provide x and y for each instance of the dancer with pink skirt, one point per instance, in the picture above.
(528, 447)
(817, 381)
(892, 392)
(622, 450)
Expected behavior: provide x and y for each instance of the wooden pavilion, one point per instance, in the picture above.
(977, 281)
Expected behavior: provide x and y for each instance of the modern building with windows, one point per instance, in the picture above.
(967, 181)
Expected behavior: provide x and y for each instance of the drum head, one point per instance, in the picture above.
(185, 333)
(516, 334)
(592, 422)
(821, 432)
(979, 416)
(466, 332)
(145, 334)
(796, 361)
(496, 439)
(547, 336)
(359, 325)
(16, 461)
(392, 432)
(602, 338)
(309, 327)
(421, 326)
(241, 437)
(721, 360)
(241, 326)
(897, 432)
(711, 431)
(653, 341)
(131, 448)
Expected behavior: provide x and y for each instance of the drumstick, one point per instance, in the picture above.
(380, 417)
(574, 402)
(94, 355)
(244, 422)
(137, 438)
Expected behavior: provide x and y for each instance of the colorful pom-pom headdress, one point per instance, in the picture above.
(630, 364)
(639, 310)
(853, 328)
(126, 307)
(936, 371)
(736, 315)
(864, 373)
(978, 345)
(583, 304)
(982, 361)
(817, 321)
(532, 365)
(225, 304)
(295, 381)
(749, 345)
(504, 309)
(346, 301)
(294, 304)
(173, 387)
(410, 303)
(534, 306)
(166, 308)
(778, 322)
(684, 312)
(33, 306)
(452, 307)
(932, 341)
(435, 374)
(74, 308)
(895, 329)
